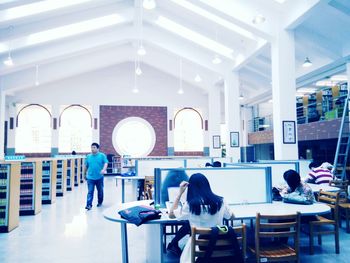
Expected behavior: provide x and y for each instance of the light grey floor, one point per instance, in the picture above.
(65, 232)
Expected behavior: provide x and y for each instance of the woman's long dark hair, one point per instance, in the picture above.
(292, 178)
(200, 196)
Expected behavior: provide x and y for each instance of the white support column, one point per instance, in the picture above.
(11, 133)
(206, 141)
(96, 115)
(2, 123)
(55, 112)
(214, 120)
(348, 74)
(232, 114)
(170, 116)
(283, 94)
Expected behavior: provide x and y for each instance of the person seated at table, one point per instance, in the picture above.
(321, 174)
(296, 191)
(172, 179)
(202, 208)
(215, 164)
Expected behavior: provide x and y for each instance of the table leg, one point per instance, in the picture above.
(123, 191)
(124, 235)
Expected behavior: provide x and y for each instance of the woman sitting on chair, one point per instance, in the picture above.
(202, 208)
(296, 191)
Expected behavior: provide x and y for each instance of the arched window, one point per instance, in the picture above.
(75, 131)
(33, 132)
(188, 131)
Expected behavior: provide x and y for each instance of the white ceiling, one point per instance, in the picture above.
(322, 33)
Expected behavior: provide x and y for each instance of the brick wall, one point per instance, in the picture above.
(156, 116)
(189, 154)
(306, 132)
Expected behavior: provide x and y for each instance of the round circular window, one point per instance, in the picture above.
(134, 136)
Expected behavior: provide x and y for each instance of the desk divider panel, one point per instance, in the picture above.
(304, 167)
(146, 167)
(197, 162)
(236, 184)
(277, 169)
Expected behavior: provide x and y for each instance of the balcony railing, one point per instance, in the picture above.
(328, 109)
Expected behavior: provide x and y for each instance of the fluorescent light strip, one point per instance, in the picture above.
(194, 36)
(215, 19)
(36, 8)
(74, 29)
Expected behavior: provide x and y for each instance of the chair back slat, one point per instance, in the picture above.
(278, 234)
(273, 227)
(277, 225)
(223, 246)
(331, 199)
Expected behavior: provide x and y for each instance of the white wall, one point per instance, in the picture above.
(112, 86)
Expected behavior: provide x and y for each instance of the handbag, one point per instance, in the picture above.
(140, 214)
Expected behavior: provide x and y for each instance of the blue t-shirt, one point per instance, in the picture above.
(94, 164)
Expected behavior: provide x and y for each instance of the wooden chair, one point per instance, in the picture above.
(223, 247)
(344, 205)
(275, 228)
(148, 188)
(343, 186)
(317, 227)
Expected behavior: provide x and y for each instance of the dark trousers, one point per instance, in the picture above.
(91, 187)
(182, 232)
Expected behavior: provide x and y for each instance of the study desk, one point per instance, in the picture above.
(325, 187)
(154, 229)
(134, 180)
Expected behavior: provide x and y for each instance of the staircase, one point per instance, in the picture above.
(343, 145)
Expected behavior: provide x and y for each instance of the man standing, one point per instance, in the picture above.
(94, 169)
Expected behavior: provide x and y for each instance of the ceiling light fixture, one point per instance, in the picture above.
(197, 78)
(8, 61)
(141, 50)
(241, 97)
(307, 63)
(138, 70)
(216, 60)
(258, 19)
(149, 4)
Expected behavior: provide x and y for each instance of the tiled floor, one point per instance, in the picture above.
(65, 232)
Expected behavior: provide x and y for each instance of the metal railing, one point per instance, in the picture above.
(313, 112)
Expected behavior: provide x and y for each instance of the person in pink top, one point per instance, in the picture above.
(320, 175)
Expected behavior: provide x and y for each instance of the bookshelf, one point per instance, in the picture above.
(81, 174)
(61, 173)
(30, 188)
(9, 196)
(49, 173)
(70, 174)
(76, 171)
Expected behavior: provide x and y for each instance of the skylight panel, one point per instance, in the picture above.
(36, 8)
(215, 18)
(74, 29)
(194, 37)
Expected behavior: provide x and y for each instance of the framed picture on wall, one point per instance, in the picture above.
(234, 139)
(216, 142)
(289, 133)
